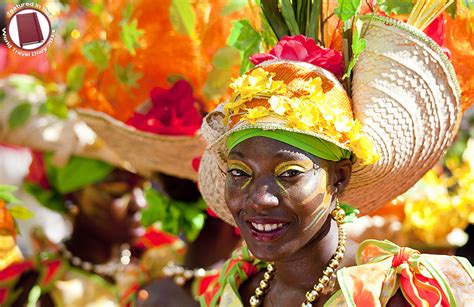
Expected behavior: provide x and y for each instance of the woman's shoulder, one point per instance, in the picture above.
(383, 269)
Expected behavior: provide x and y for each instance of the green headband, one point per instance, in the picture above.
(313, 145)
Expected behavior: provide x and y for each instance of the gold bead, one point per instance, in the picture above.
(259, 292)
(254, 301)
(338, 256)
(319, 287)
(263, 284)
(270, 267)
(334, 263)
(267, 276)
(338, 215)
(324, 280)
(328, 271)
(311, 295)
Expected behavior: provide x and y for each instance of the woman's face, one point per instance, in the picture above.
(111, 208)
(279, 196)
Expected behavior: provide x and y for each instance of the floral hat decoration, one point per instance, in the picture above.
(340, 83)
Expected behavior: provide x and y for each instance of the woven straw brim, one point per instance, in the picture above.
(64, 138)
(147, 152)
(406, 96)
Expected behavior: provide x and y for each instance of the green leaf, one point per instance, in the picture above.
(312, 30)
(351, 212)
(403, 7)
(182, 17)
(220, 75)
(347, 9)
(77, 173)
(23, 83)
(127, 12)
(289, 16)
(3, 94)
(156, 207)
(225, 58)
(452, 9)
(358, 45)
(194, 222)
(97, 8)
(75, 77)
(127, 76)
(469, 4)
(98, 53)
(233, 6)
(70, 26)
(48, 198)
(56, 105)
(19, 115)
(130, 35)
(245, 39)
(6, 194)
(20, 212)
(272, 13)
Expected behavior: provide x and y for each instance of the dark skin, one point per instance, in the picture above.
(272, 183)
(108, 215)
(215, 235)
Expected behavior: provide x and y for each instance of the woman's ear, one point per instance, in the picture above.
(342, 175)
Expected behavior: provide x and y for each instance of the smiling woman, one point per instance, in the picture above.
(291, 143)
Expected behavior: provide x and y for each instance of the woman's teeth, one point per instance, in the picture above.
(267, 227)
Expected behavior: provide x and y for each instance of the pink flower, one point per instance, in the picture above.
(173, 112)
(303, 49)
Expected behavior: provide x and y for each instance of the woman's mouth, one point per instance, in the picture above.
(267, 230)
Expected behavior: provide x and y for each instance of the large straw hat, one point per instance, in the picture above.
(406, 96)
(147, 152)
(46, 132)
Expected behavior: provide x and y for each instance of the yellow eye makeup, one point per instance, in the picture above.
(297, 165)
(238, 165)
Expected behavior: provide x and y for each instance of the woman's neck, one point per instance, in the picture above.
(303, 269)
(88, 247)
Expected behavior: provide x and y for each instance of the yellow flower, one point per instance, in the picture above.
(255, 113)
(279, 104)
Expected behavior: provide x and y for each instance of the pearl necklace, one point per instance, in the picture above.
(181, 275)
(106, 269)
(312, 295)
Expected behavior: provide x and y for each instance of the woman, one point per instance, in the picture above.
(94, 265)
(289, 144)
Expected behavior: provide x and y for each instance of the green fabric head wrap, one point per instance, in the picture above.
(313, 145)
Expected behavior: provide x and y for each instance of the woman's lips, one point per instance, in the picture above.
(267, 229)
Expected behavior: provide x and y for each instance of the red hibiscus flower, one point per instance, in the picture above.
(173, 112)
(436, 30)
(303, 49)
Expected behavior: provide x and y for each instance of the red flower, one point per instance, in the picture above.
(37, 171)
(436, 30)
(173, 112)
(303, 49)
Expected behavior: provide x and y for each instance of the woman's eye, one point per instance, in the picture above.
(238, 173)
(290, 173)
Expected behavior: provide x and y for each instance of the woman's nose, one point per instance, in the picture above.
(264, 195)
